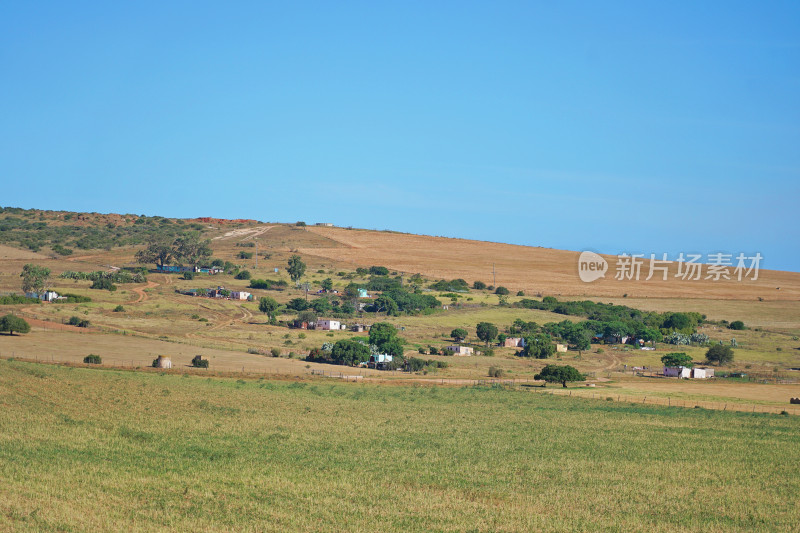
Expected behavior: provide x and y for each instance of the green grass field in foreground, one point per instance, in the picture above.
(89, 450)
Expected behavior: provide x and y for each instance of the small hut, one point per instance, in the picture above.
(162, 361)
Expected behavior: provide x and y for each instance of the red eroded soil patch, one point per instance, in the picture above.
(223, 221)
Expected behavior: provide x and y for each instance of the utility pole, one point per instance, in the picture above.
(256, 252)
(494, 277)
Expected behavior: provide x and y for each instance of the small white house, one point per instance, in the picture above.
(328, 325)
(460, 350)
(702, 373)
(240, 295)
(677, 372)
(514, 342)
(46, 296)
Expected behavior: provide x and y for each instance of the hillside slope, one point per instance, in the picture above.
(532, 269)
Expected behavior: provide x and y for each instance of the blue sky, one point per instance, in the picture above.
(609, 126)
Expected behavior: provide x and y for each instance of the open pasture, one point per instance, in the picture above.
(87, 449)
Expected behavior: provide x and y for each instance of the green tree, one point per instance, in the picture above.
(159, 249)
(501, 290)
(381, 334)
(35, 278)
(459, 334)
(719, 354)
(559, 374)
(386, 304)
(321, 305)
(539, 346)
(486, 332)
(298, 304)
(347, 352)
(582, 343)
(327, 284)
(11, 324)
(651, 335)
(296, 268)
(268, 306)
(479, 285)
(677, 359)
(308, 316)
(351, 291)
(736, 324)
(394, 348)
(189, 248)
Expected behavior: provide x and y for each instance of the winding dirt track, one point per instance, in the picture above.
(140, 291)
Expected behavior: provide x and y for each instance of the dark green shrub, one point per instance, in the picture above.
(103, 284)
(77, 321)
(188, 275)
(501, 290)
(244, 274)
(92, 359)
(720, 354)
(495, 372)
(199, 362)
(276, 352)
(736, 324)
(119, 309)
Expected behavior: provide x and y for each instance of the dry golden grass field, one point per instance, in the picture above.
(531, 269)
(156, 320)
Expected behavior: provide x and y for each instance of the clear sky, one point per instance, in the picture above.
(643, 127)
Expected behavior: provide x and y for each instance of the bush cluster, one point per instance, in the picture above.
(77, 321)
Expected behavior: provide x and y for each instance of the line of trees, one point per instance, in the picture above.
(627, 320)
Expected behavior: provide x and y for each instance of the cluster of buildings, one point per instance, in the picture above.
(219, 292)
(175, 269)
(519, 342)
(684, 372)
(332, 325)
